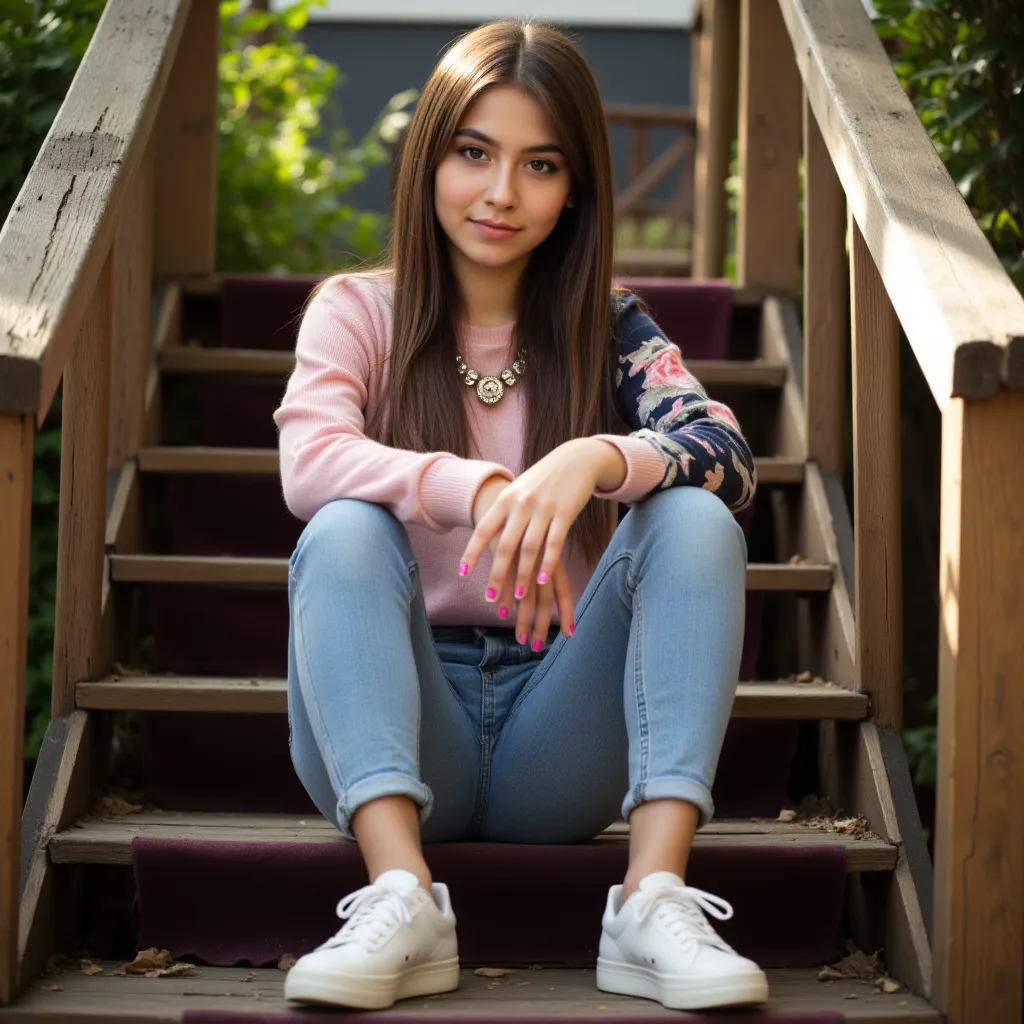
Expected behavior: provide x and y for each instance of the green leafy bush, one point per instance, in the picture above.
(962, 63)
(282, 205)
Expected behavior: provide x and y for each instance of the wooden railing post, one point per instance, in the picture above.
(132, 289)
(978, 936)
(769, 149)
(876, 488)
(716, 81)
(16, 435)
(77, 641)
(186, 153)
(824, 303)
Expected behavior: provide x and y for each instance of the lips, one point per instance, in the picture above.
(494, 229)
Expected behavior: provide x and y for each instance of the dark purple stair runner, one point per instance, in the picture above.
(739, 1016)
(225, 903)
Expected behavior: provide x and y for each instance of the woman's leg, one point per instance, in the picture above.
(377, 735)
(629, 714)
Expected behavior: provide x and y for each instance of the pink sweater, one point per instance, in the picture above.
(338, 383)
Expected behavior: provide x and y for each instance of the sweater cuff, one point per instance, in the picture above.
(645, 469)
(448, 489)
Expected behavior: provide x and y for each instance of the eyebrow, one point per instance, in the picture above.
(472, 133)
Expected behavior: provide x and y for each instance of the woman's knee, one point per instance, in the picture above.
(693, 526)
(352, 534)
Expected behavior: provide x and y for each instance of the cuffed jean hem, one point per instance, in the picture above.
(375, 786)
(671, 787)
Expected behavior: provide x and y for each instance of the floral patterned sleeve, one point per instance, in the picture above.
(698, 440)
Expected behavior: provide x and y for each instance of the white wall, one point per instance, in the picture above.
(635, 13)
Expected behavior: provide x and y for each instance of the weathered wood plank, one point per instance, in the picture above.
(767, 242)
(132, 257)
(876, 491)
(824, 328)
(979, 832)
(124, 523)
(716, 123)
(61, 792)
(779, 339)
(761, 700)
(77, 640)
(959, 309)
(92, 841)
(186, 156)
(547, 994)
(65, 216)
(16, 439)
(230, 571)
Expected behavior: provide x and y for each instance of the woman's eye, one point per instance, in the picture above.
(543, 166)
(472, 152)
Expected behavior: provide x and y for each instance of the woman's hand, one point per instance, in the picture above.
(530, 518)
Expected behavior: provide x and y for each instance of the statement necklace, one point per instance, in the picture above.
(491, 389)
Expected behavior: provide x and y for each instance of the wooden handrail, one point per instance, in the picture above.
(53, 244)
(960, 311)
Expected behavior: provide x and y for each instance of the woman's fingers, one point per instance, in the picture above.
(504, 554)
(483, 535)
(542, 616)
(550, 556)
(562, 587)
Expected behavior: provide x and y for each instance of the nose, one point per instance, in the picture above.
(501, 188)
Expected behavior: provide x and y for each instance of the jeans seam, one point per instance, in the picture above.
(640, 694)
(560, 640)
(486, 751)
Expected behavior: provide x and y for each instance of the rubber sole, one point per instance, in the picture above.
(678, 992)
(371, 992)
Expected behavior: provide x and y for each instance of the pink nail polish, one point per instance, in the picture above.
(491, 593)
(542, 578)
(522, 639)
(537, 645)
(503, 612)
(520, 591)
(464, 568)
(572, 629)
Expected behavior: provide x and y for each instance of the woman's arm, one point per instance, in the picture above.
(680, 437)
(325, 453)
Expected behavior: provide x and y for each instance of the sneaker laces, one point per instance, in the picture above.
(371, 912)
(681, 909)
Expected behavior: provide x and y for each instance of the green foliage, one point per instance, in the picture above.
(282, 197)
(962, 63)
(41, 44)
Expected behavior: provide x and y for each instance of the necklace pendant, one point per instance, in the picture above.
(489, 390)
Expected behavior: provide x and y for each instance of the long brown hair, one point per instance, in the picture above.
(563, 317)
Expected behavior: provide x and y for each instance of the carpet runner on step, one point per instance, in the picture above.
(225, 903)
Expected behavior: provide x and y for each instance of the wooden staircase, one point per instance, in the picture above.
(106, 282)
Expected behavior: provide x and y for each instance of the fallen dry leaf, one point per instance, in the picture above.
(88, 967)
(51, 988)
(155, 963)
(803, 677)
(112, 806)
(124, 672)
(286, 963)
(492, 972)
(830, 974)
(56, 963)
(887, 986)
(797, 560)
(786, 816)
(251, 976)
(850, 995)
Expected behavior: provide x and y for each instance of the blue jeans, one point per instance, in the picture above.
(490, 739)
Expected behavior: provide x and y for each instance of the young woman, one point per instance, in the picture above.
(478, 650)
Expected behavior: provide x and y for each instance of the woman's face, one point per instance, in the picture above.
(501, 187)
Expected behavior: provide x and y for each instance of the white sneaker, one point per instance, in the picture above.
(399, 941)
(659, 945)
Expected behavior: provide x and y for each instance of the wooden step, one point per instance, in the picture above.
(225, 570)
(774, 470)
(109, 841)
(751, 374)
(522, 995)
(761, 700)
